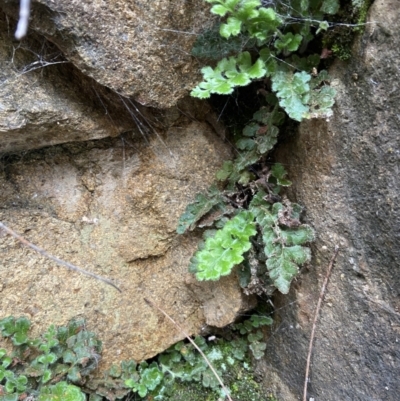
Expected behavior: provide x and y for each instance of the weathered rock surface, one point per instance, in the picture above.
(140, 49)
(111, 206)
(346, 173)
(45, 101)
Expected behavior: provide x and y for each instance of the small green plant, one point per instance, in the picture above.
(269, 227)
(56, 365)
(275, 40)
(254, 226)
(254, 337)
(65, 355)
(225, 248)
(61, 391)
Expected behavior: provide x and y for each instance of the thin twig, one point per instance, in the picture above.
(59, 261)
(152, 304)
(321, 297)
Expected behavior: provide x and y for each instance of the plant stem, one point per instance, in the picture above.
(152, 304)
(321, 297)
(57, 260)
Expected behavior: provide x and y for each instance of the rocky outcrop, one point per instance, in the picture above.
(111, 206)
(45, 101)
(139, 49)
(345, 172)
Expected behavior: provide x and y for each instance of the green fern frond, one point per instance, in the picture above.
(282, 245)
(195, 211)
(225, 249)
(229, 73)
(291, 89)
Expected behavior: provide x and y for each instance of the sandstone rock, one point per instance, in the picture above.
(139, 49)
(346, 173)
(110, 206)
(43, 101)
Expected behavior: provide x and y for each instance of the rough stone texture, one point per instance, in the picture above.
(44, 101)
(346, 173)
(140, 49)
(111, 206)
(221, 305)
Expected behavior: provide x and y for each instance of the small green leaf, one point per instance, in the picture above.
(251, 129)
(258, 349)
(151, 377)
(290, 89)
(256, 336)
(19, 338)
(46, 376)
(74, 375)
(142, 390)
(323, 26)
(219, 10)
(231, 28)
(283, 266)
(225, 250)
(69, 356)
(257, 70)
(288, 42)
(7, 326)
(245, 144)
(267, 142)
(278, 171)
(131, 383)
(62, 391)
(299, 235)
(330, 7)
(226, 171)
(6, 362)
(195, 211)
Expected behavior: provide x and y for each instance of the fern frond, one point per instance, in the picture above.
(291, 89)
(195, 211)
(282, 245)
(225, 249)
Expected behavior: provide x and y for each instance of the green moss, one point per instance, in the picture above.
(343, 52)
(340, 38)
(361, 7)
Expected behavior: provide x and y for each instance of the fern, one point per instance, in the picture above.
(225, 249)
(273, 257)
(229, 73)
(247, 17)
(288, 42)
(282, 245)
(259, 137)
(195, 211)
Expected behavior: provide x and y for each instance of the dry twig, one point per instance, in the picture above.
(321, 297)
(152, 304)
(58, 261)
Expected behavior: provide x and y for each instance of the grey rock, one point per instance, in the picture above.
(139, 49)
(346, 173)
(45, 101)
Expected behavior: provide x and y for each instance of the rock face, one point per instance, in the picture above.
(45, 101)
(111, 206)
(346, 173)
(139, 49)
